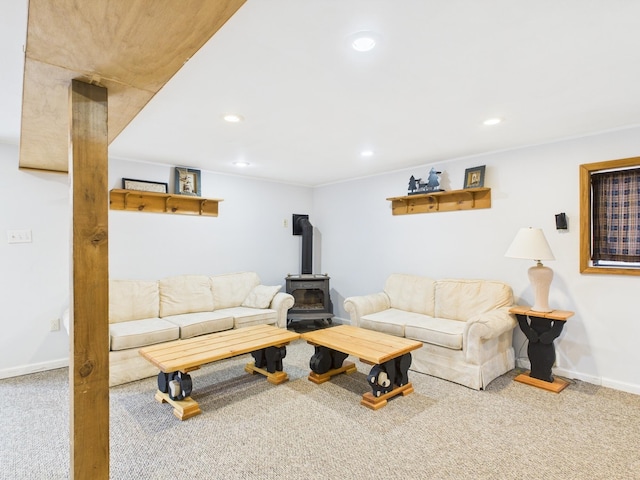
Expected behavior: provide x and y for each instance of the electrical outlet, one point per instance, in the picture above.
(55, 325)
(285, 223)
(19, 236)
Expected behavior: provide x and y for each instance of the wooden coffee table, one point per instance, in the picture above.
(388, 354)
(175, 359)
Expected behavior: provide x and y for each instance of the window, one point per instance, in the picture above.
(610, 217)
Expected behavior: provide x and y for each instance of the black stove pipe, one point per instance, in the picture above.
(302, 226)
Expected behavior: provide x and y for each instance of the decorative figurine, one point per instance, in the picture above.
(432, 184)
(413, 184)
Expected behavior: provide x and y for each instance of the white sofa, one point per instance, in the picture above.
(144, 313)
(464, 325)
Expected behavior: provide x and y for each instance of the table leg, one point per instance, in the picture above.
(326, 362)
(388, 380)
(541, 332)
(174, 388)
(268, 362)
(182, 409)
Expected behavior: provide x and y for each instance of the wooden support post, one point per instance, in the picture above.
(89, 355)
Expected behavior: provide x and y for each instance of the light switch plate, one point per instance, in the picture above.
(19, 236)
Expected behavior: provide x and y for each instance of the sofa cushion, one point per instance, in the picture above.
(436, 331)
(139, 333)
(245, 316)
(391, 321)
(411, 293)
(132, 300)
(201, 323)
(185, 294)
(231, 289)
(260, 296)
(462, 299)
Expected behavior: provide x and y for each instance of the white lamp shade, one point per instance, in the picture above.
(530, 243)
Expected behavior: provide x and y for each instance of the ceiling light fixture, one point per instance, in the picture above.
(363, 44)
(241, 164)
(363, 41)
(366, 153)
(233, 118)
(492, 121)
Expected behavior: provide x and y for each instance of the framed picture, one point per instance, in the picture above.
(474, 177)
(188, 181)
(144, 185)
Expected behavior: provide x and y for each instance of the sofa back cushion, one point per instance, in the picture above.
(461, 299)
(132, 300)
(411, 293)
(185, 294)
(231, 289)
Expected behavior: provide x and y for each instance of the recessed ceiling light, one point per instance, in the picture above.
(366, 153)
(363, 43)
(232, 117)
(492, 121)
(241, 164)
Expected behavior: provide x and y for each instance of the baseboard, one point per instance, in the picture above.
(604, 382)
(624, 387)
(524, 363)
(33, 368)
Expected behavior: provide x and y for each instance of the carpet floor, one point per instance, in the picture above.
(250, 429)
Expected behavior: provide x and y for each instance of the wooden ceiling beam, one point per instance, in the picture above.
(131, 48)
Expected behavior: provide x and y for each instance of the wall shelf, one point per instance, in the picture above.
(135, 200)
(467, 199)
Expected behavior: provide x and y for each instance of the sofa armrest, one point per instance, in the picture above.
(281, 303)
(484, 327)
(365, 305)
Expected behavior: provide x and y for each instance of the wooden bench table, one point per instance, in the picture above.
(388, 354)
(175, 359)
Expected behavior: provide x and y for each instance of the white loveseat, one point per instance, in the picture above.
(149, 312)
(464, 325)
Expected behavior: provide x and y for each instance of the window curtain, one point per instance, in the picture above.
(616, 216)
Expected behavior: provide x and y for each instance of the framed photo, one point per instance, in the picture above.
(144, 185)
(188, 181)
(474, 177)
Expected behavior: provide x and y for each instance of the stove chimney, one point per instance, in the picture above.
(302, 226)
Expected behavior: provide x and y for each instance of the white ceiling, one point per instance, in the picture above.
(552, 69)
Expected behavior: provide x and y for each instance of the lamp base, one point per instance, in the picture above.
(540, 277)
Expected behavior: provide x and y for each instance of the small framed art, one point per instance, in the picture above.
(144, 185)
(474, 177)
(188, 181)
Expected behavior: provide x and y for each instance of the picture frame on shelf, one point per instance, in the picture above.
(187, 181)
(144, 185)
(474, 177)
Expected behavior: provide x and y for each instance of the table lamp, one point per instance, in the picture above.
(531, 243)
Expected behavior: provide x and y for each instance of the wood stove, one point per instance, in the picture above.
(310, 291)
(311, 297)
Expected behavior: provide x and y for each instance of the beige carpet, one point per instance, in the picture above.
(250, 429)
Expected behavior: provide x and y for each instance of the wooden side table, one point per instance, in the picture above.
(541, 329)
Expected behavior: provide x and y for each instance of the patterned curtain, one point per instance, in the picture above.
(616, 216)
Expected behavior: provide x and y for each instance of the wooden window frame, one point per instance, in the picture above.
(586, 170)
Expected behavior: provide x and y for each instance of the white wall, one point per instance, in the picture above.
(363, 243)
(248, 234)
(356, 239)
(34, 277)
